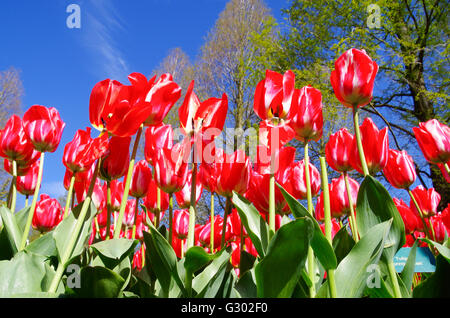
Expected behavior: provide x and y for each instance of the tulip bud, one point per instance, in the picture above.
(115, 164)
(400, 171)
(410, 218)
(338, 150)
(434, 141)
(305, 115)
(142, 176)
(428, 201)
(47, 215)
(183, 196)
(235, 174)
(44, 127)
(27, 184)
(181, 223)
(353, 78)
(14, 143)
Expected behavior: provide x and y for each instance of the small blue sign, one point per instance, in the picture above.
(425, 261)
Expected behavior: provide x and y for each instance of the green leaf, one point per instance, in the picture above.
(254, 224)
(435, 286)
(26, 272)
(320, 245)
(210, 277)
(99, 282)
(44, 245)
(343, 243)
(196, 258)
(279, 271)
(374, 206)
(246, 286)
(353, 271)
(21, 218)
(64, 230)
(6, 250)
(115, 249)
(13, 232)
(163, 258)
(408, 271)
(443, 250)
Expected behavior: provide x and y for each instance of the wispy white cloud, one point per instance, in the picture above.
(103, 23)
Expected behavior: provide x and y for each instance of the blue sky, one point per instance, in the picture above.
(59, 66)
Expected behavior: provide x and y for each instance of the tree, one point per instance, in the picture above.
(409, 40)
(11, 92)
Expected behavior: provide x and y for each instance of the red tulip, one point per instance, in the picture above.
(234, 223)
(410, 218)
(130, 208)
(258, 194)
(142, 175)
(123, 109)
(183, 196)
(353, 78)
(44, 127)
(335, 227)
(21, 170)
(274, 137)
(433, 138)
(339, 204)
(27, 184)
(305, 115)
(445, 216)
(171, 169)
(151, 199)
(14, 144)
(428, 201)
(83, 151)
(438, 230)
(47, 215)
(204, 234)
(117, 188)
(157, 137)
(137, 259)
(400, 171)
(376, 147)
(338, 150)
(294, 180)
(283, 159)
(98, 196)
(273, 95)
(115, 164)
(235, 174)
(181, 223)
(197, 117)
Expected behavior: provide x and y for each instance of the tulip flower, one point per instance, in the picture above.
(48, 214)
(294, 180)
(205, 233)
(438, 230)
(26, 184)
(353, 78)
(376, 147)
(400, 171)
(151, 201)
(170, 169)
(116, 189)
(122, 109)
(274, 94)
(14, 143)
(157, 137)
(142, 175)
(305, 115)
(138, 257)
(98, 195)
(433, 138)
(339, 203)
(81, 153)
(115, 164)
(20, 170)
(235, 173)
(181, 223)
(427, 200)
(183, 196)
(43, 127)
(410, 218)
(338, 150)
(445, 172)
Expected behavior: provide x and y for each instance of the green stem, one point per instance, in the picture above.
(158, 207)
(311, 261)
(393, 276)
(26, 200)
(327, 216)
(447, 168)
(69, 195)
(192, 208)
(425, 227)
(33, 203)
(271, 205)
(170, 218)
(362, 158)
(133, 233)
(108, 210)
(211, 240)
(67, 253)
(14, 187)
(353, 224)
(126, 190)
(188, 279)
(225, 217)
